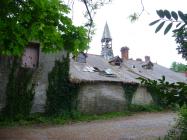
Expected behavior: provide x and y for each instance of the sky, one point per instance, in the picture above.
(139, 36)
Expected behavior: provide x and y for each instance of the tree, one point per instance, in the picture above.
(91, 7)
(45, 21)
(178, 67)
(179, 21)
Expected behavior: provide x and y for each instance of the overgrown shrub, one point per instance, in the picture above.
(179, 131)
(61, 93)
(144, 108)
(19, 92)
(169, 95)
(129, 90)
(166, 94)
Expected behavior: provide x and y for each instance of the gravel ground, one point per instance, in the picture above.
(142, 126)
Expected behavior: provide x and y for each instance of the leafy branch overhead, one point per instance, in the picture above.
(179, 19)
(44, 21)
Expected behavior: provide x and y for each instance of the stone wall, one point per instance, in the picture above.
(93, 98)
(98, 98)
(40, 78)
(142, 97)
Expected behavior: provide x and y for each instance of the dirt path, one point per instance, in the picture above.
(143, 126)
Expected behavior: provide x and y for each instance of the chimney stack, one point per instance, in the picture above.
(139, 59)
(147, 58)
(125, 53)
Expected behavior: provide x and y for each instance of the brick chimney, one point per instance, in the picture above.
(147, 58)
(139, 59)
(125, 53)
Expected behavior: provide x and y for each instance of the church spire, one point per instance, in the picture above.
(106, 34)
(106, 41)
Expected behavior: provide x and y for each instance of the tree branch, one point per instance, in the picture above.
(91, 20)
(143, 8)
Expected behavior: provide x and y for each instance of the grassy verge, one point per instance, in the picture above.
(73, 117)
(61, 119)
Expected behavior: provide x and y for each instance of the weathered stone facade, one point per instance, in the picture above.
(142, 97)
(93, 98)
(40, 78)
(98, 98)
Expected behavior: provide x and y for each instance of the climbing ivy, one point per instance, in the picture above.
(129, 90)
(61, 93)
(19, 91)
(165, 93)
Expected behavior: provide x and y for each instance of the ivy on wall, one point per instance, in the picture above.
(165, 93)
(129, 90)
(61, 93)
(19, 91)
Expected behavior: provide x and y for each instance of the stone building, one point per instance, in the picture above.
(101, 77)
(102, 82)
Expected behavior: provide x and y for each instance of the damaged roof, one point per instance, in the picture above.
(127, 72)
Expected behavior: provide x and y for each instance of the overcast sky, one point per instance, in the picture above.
(138, 36)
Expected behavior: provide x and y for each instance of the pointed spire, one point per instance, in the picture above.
(106, 34)
(106, 41)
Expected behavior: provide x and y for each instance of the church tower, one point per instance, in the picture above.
(106, 41)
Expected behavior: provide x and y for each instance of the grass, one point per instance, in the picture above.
(74, 117)
(144, 108)
(60, 119)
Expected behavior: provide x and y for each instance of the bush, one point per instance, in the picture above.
(19, 92)
(179, 131)
(164, 93)
(144, 108)
(61, 93)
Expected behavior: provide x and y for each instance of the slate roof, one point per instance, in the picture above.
(126, 73)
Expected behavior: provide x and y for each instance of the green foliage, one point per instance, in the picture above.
(168, 28)
(61, 93)
(179, 131)
(179, 19)
(178, 67)
(164, 93)
(133, 17)
(171, 17)
(159, 27)
(45, 21)
(129, 90)
(58, 119)
(19, 92)
(144, 108)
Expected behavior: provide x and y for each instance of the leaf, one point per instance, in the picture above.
(174, 15)
(182, 27)
(159, 27)
(168, 28)
(154, 22)
(167, 14)
(178, 25)
(163, 78)
(160, 13)
(182, 16)
(175, 31)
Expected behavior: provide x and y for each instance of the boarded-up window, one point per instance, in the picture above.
(30, 56)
